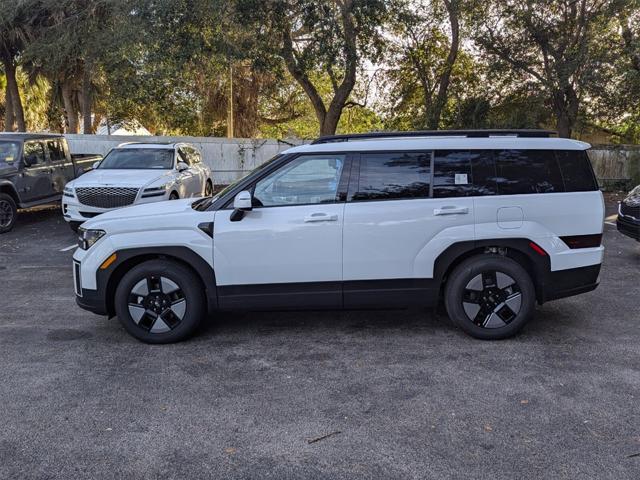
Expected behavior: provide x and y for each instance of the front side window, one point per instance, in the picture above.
(34, 153)
(138, 159)
(309, 179)
(393, 176)
(527, 171)
(8, 153)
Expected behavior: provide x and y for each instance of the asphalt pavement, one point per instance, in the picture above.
(362, 395)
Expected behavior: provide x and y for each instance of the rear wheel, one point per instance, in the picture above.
(160, 301)
(490, 297)
(8, 212)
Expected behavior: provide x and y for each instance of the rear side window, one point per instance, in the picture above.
(56, 151)
(527, 171)
(462, 173)
(393, 176)
(577, 172)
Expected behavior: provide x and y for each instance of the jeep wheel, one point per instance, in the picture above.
(8, 212)
(160, 301)
(490, 297)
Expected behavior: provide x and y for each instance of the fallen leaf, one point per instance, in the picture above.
(524, 402)
(230, 450)
(487, 428)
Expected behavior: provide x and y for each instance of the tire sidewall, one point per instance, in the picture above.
(188, 283)
(468, 269)
(7, 198)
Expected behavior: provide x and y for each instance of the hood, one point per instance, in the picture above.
(633, 199)
(121, 178)
(146, 210)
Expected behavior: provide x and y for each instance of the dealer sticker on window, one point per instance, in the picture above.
(461, 179)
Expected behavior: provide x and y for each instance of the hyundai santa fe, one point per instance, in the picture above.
(487, 222)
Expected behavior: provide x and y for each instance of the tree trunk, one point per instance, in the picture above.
(87, 126)
(445, 79)
(565, 106)
(69, 107)
(9, 117)
(14, 93)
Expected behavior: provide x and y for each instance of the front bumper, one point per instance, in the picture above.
(92, 301)
(628, 227)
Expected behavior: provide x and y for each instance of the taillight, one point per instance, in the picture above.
(583, 241)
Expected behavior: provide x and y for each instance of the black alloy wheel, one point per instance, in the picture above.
(8, 212)
(157, 304)
(492, 299)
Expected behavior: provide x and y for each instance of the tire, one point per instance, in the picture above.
(490, 297)
(208, 189)
(160, 301)
(8, 213)
(174, 196)
(74, 226)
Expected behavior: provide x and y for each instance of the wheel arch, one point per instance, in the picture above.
(518, 249)
(107, 280)
(10, 189)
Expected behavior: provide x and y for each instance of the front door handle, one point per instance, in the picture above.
(320, 217)
(451, 210)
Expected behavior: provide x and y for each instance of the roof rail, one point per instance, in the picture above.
(526, 133)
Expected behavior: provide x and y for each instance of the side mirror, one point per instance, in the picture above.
(242, 203)
(95, 164)
(181, 167)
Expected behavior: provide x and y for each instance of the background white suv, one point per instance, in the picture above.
(134, 173)
(488, 222)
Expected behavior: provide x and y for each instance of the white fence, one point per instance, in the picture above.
(228, 158)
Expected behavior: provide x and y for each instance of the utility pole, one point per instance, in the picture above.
(230, 104)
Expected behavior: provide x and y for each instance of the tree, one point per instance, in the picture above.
(425, 52)
(548, 42)
(328, 38)
(14, 31)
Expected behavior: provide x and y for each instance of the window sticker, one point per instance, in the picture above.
(461, 179)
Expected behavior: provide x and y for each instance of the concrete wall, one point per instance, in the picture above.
(616, 166)
(229, 159)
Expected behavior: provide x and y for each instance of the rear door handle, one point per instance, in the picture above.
(320, 217)
(451, 210)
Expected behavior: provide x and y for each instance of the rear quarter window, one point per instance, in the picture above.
(577, 172)
(527, 171)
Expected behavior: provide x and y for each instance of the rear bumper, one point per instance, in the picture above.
(629, 227)
(570, 282)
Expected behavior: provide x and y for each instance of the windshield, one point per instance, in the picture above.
(138, 159)
(205, 203)
(8, 153)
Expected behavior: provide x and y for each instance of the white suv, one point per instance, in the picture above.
(134, 173)
(490, 222)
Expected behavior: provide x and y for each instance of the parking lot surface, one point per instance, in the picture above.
(367, 394)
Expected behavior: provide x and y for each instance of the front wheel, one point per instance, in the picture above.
(490, 297)
(160, 301)
(8, 213)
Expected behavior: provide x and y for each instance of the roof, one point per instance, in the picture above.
(21, 137)
(444, 143)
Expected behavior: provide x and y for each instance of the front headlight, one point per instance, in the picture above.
(155, 191)
(86, 238)
(68, 192)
